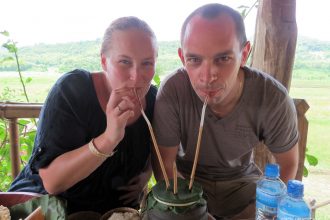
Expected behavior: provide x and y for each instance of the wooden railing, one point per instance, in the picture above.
(12, 111)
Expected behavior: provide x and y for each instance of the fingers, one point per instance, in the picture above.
(128, 188)
(122, 100)
(130, 197)
(134, 180)
(125, 105)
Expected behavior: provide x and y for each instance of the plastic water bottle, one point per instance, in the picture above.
(270, 189)
(293, 206)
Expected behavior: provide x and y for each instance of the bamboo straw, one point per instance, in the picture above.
(154, 143)
(321, 204)
(175, 179)
(192, 176)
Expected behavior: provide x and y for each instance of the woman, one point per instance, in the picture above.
(92, 146)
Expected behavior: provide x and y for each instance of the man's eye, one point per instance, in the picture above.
(223, 59)
(193, 60)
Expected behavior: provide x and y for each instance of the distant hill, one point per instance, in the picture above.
(310, 55)
(85, 54)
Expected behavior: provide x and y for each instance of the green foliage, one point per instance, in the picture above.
(27, 132)
(151, 182)
(245, 10)
(27, 129)
(83, 55)
(156, 80)
(311, 160)
(312, 55)
(10, 45)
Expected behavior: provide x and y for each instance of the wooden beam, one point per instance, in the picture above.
(19, 110)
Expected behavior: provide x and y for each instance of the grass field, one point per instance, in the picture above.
(316, 91)
(317, 94)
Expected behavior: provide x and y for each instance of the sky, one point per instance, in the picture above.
(48, 21)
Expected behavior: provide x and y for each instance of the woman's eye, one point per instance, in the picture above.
(148, 63)
(124, 61)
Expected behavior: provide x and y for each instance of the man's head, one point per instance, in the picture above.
(213, 49)
(211, 11)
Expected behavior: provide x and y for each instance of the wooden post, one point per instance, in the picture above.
(275, 39)
(301, 107)
(14, 149)
(274, 49)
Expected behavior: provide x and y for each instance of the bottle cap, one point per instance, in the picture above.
(272, 170)
(295, 188)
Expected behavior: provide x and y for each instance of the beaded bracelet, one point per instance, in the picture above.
(96, 152)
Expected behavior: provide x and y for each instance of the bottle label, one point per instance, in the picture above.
(265, 212)
(266, 205)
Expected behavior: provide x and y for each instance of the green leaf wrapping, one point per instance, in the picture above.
(52, 207)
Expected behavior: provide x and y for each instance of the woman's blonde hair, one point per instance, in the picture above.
(122, 24)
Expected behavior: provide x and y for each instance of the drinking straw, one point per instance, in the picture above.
(154, 143)
(192, 176)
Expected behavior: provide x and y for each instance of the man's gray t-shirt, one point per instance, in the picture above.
(264, 112)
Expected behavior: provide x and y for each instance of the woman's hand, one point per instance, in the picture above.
(134, 188)
(119, 110)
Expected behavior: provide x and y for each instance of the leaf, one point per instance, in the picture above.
(29, 79)
(305, 172)
(157, 79)
(23, 122)
(5, 33)
(6, 59)
(10, 46)
(312, 160)
(243, 13)
(243, 7)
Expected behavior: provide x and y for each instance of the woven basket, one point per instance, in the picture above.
(108, 214)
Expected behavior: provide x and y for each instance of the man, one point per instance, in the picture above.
(244, 107)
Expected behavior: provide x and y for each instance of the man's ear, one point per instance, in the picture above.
(180, 53)
(245, 53)
(104, 63)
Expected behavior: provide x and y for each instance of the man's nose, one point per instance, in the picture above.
(208, 74)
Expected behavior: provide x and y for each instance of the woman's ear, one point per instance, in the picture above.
(245, 53)
(104, 62)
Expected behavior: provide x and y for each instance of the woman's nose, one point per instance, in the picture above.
(134, 76)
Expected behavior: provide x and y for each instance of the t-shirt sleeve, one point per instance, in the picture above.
(166, 114)
(281, 132)
(61, 127)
